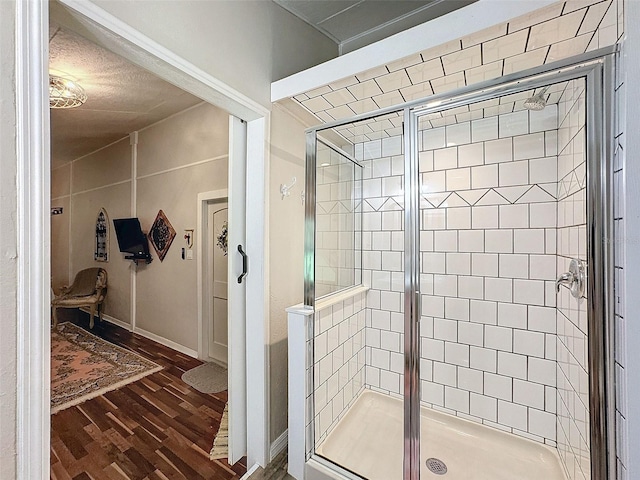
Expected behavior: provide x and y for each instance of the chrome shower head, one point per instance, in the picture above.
(537, 102)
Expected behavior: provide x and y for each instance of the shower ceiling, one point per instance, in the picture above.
(390, 125)
(355, 23)
(503, 49)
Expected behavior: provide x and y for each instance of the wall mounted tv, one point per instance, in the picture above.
(131, 239)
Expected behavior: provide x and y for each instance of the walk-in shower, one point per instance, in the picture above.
(458, 285)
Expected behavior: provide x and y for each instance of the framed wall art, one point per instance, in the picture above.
(161, 235)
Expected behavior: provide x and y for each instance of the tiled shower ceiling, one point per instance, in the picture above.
(559, 31)
(390, 125)
(356, 23)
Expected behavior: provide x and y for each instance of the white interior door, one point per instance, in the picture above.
(237, 290)
(217, 274)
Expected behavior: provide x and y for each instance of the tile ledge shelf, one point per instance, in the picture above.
(329, 301)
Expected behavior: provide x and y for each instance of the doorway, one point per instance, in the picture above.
(32, 455)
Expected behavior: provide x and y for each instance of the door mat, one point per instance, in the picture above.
(207, 378)
(84, 366)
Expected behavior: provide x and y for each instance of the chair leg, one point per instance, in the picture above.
(100, 312)
(93, 313)
(55, 316)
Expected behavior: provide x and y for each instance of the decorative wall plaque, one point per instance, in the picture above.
(161, 235)
(101, 253)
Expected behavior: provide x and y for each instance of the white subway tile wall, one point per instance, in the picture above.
(488, 330)
(338, 363)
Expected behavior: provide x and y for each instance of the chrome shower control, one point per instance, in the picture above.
(573, 279)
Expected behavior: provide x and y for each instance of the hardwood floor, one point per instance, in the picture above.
(157, 428)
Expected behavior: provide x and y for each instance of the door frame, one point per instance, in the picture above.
(204, 199)
(33, 202)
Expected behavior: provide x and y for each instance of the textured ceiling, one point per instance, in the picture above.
(355, 23)
(121, 97)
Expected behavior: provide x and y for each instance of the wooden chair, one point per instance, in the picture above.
(88, 289)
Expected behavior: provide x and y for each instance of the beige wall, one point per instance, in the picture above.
(176, 159)
(60, 243)
(166, 302)
(99, 180)
(61, 181)
(199, 134)
(108, 166)
(116, 200)
(286, 240)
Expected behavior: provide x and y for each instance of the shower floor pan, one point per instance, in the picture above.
(369, 438)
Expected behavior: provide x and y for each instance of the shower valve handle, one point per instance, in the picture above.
(566, 278)
(574, 279)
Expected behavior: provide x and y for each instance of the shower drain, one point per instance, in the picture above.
(436, 466)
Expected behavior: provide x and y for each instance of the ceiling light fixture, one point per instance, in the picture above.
(65, 93)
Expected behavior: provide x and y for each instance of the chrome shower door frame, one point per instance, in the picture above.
(598, 74)
(596, 68)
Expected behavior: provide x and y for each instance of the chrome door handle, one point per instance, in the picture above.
(245, 264)
(573, 279)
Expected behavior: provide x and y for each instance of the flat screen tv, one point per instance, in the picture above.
(131, 239)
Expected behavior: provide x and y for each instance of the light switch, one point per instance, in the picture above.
(189, 254)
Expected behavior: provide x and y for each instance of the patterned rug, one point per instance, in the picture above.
(220, 447)
(84, 366)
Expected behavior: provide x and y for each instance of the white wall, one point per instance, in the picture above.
(8, 246)
(246, 44)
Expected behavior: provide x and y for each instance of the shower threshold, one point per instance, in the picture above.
(369, 439)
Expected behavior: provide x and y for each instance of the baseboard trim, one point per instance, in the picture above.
(166, 342)
(250, 472)
(151, 336)
(279, 444)
(110, 319)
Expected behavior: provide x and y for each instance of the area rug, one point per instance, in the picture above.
(84, 366)
(207, 378)
(221, 442)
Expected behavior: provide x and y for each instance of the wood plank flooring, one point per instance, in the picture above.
(157, 428)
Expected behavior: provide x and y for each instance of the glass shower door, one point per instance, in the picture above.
(502, 212)
(358, 340)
